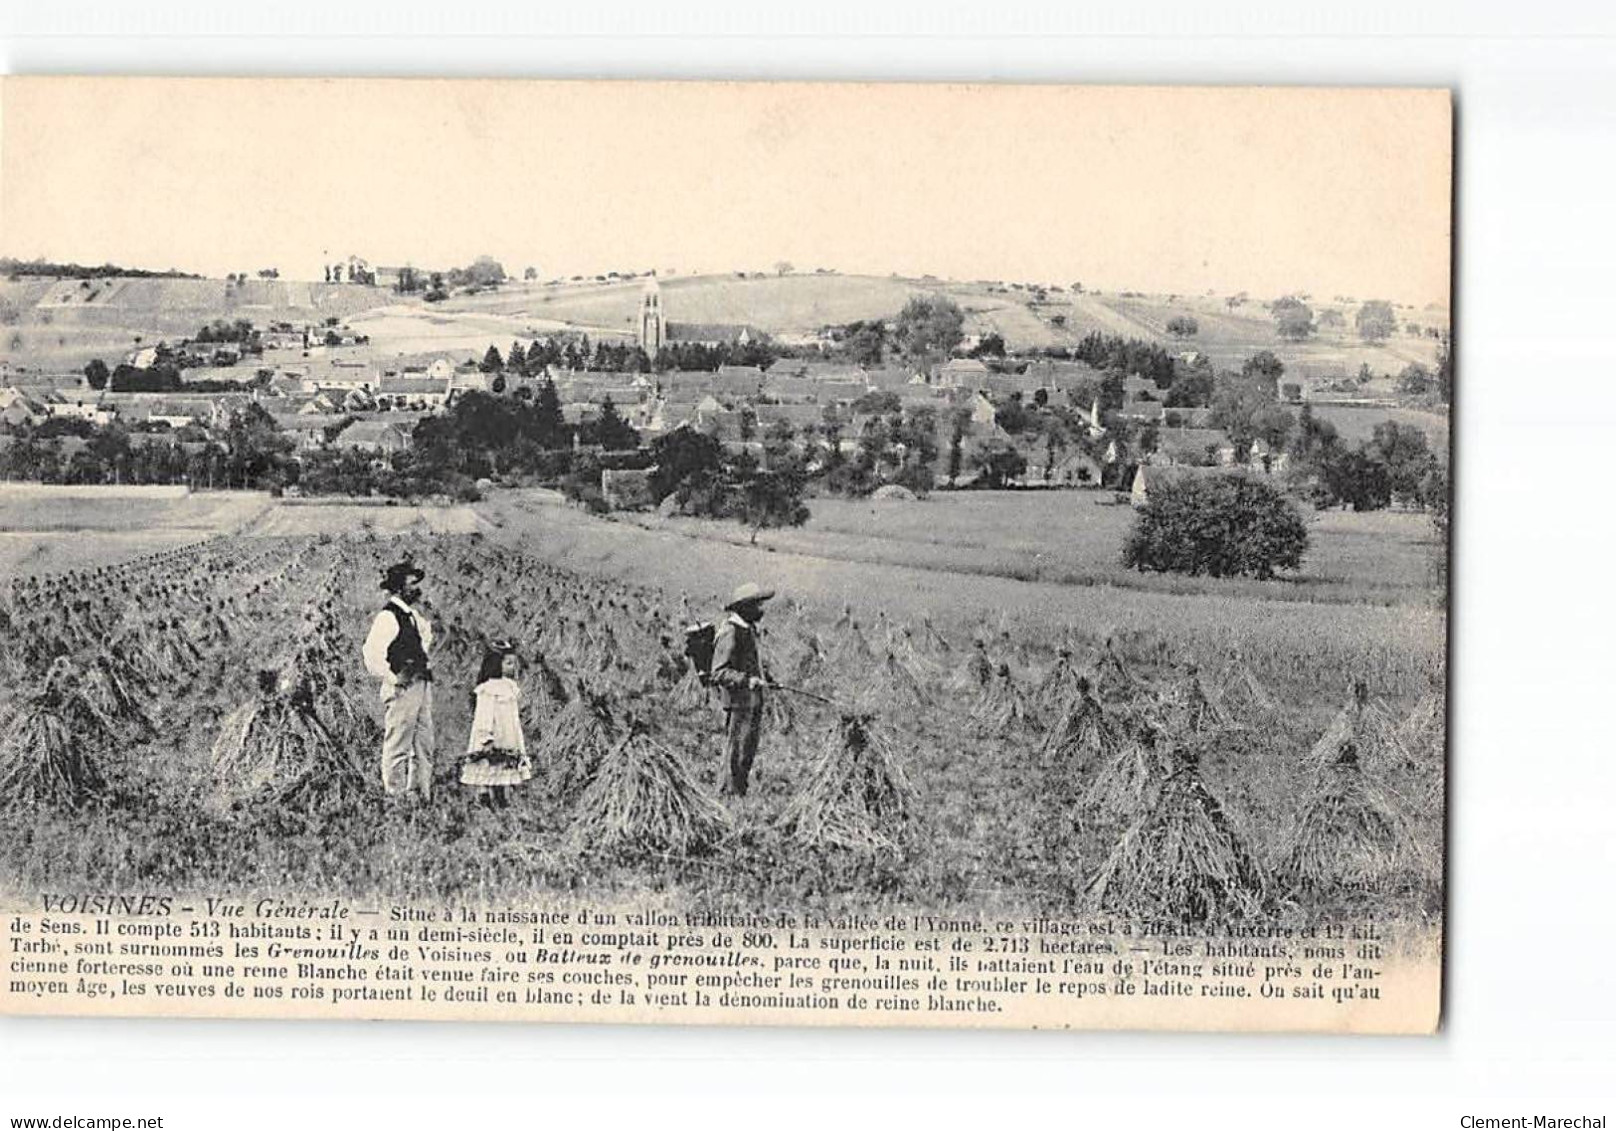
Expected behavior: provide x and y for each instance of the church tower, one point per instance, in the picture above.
(653, 331)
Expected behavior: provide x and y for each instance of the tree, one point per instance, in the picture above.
(682, 456)
(1012, 415)
(1376, 320)
(1293, 318)
(550, 423)
(877, 401)
(783, 268)
(929, 326)
(1264, 365)
(991, 345)
(1193, 388)
(492, 362)
(611, 431)
(97, 374)
(1183, 326)
(1357, 479)
(1239, 400)
(485, 270)
(1444, 368)
(956, 442)
(516, 359)
(768, 498)
(998, 462)
(1216, 525)
(530, 273)
(498, 383)
(256, 445)
(1415, 380)
(865, 343)
(1436, 492)
(1406, 453)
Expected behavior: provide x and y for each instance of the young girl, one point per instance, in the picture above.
(496, 755)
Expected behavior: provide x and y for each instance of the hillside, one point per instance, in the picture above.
(61, 324)
(51, 324)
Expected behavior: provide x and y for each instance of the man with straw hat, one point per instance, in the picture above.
(738, 669)
(395, 653)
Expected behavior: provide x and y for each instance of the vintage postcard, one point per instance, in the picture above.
(725, 553)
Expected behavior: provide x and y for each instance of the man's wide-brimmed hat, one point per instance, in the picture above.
(396, 576)
(749, 594)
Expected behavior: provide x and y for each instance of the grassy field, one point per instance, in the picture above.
(1312, 647)
(996, 816)
(58, 325)
(46, 530)
(1076, 538)
(1358, 424)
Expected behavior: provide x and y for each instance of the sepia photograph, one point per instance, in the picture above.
(764, 553)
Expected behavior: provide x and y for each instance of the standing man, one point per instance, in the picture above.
(395, 653)
(738, 669)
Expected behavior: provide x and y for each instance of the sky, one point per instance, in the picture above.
(1270, 191)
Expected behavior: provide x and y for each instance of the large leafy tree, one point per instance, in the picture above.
(929, 326)
(998, 462)
(1293, 318)
(1376, 320)
(1216, 525)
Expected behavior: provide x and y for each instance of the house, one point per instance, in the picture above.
(92, 410)
(377, 436)
(787, 367)
(1145, 411)
(440, 369)
(308, 431)
(430, 393)
(1077, 470)
(723, 424)
(893, 379)
(837, 372)
(982, 411)
(738, 381)
(462, 383)
(175, 409)
(1195, 446)
(797, 417)
(1061, 376)
(143, 358)
(960, 373)
(711, 334)
(792, 389)
(1188, 417)
(340, 374)
(21, 409)
(579, 412)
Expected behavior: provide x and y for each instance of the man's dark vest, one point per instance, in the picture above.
(405, 654)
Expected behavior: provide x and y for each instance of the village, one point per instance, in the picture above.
(959, 412)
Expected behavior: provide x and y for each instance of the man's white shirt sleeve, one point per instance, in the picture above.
(383, 631)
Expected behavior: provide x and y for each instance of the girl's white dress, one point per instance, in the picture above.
(496, 753)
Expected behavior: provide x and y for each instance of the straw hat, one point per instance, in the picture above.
(749, 593)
